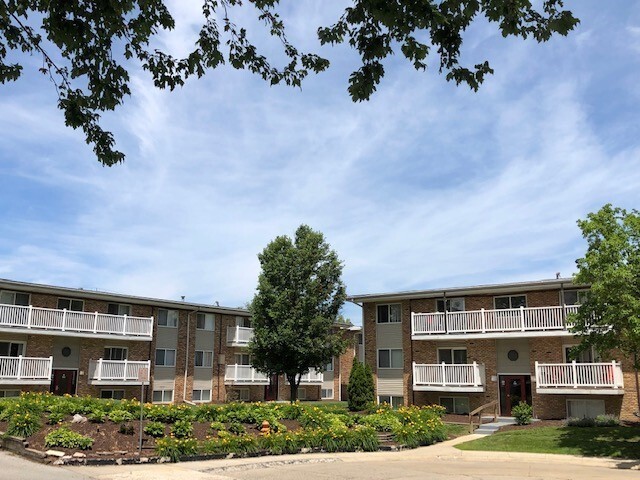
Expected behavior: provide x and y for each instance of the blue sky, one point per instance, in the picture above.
(427, 185)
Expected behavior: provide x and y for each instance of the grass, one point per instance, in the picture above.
(456, 430)
(615, 442)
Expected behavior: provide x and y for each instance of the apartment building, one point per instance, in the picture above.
(76, 341)
(464, 347)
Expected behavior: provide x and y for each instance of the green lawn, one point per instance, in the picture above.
(456, 430)
(616, 442)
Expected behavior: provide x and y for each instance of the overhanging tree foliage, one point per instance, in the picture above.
(295, 308)
(609, 318)
(88, 47)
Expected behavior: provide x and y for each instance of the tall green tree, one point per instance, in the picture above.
(610, 317)
(88, 47)
(296, 306)
(361, 388)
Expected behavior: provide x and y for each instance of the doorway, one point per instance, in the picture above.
(64, 382)
(271, 390)
(513, 390)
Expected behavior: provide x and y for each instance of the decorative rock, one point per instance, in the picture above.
(118, 461)
(144, 459)
(80, 455)
(58, 462)
(265, 428)
(54, 453)
(77, 418)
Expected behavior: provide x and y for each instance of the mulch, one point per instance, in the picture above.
(109, 442)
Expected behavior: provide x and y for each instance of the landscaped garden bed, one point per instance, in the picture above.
(91, 428)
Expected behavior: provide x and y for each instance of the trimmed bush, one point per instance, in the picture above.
(607, 421)
(523, 413)
(361, 389)
(65, 438)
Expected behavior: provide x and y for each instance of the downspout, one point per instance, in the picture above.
(154, 336)
(186, 356)
(219, 353)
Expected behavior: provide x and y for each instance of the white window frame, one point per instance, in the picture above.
(243, 322)
(450, 301)
(388, 305)
(329, 366)
(176, 318)
(206, 316)
(324, 393)
(302, 393)
(201, 400)
(14, 393)
(241, 394)
(163, 394)
(113, 391)
(510, 297)
(451, 349)
(18, 342)
(112, 347)
(580, 292)
(241, 356)
(594, 355)
(165, 357)
(70, 300)
(599, 401)
(13, 293)
(206, 355)
(390, 367)
(394, 400)
(456, 398)
(119, 305)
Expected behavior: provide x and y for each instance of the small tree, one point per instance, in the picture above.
(361, 390)
(296, 306)
(610, 317)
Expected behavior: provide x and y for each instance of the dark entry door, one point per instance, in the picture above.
(64, 381)
(271, 390)
(514, 391)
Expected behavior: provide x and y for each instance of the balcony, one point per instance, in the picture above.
(445, 377)
(239, 336)
(118, 372)
(583, 378)
(311, 378)
(244, 375)
(49, 321)
(530, 322)
(25, 370)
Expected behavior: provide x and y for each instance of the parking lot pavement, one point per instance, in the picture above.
(437, 462)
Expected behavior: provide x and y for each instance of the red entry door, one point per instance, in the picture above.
(64, 381)
(271, 390)
(515, 389)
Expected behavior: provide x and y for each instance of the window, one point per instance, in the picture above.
(242, 359)
(115, 353)
(329, 366)
(302, 393)
(14, 298)
(575, 297)
(201, 396)
(457, 405)
(162, 396)
(118, 309)
(390, 358)
(326, 393)
(360, 338)
(114, 394)
(11, 349)
(244, 322)
(453, 304)
(579, 408)
(389, 313)
(243, 394)
(165, 357)
(205, 321)
(452, 356)
(70, 304)
(586, 356)
(392, 400)
(9, 393)
(512, 301)
(167, 318)
(204, 358)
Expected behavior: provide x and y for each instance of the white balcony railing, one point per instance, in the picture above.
(25, 370)
(313, 377)
(39, 320)
(244, 375)
(448, 377)
(239, 336)
(523, 319)
(560, 377)
(118, 372)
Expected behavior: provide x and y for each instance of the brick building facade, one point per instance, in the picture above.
(465, 347)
